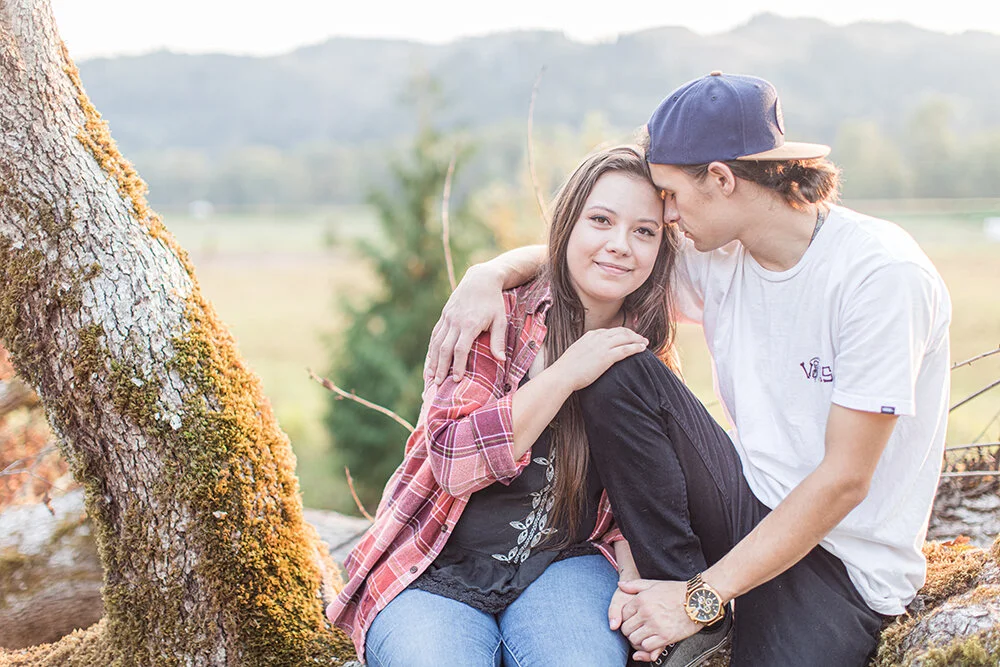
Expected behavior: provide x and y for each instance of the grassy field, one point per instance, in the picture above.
(275, 281)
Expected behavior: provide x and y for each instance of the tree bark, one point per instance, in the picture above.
(189, 481)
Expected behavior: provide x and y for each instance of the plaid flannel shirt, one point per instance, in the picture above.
(462, 443)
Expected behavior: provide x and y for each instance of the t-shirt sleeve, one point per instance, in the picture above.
(887, 324)
(687, 285)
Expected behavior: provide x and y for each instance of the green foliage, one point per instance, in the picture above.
(381, 355)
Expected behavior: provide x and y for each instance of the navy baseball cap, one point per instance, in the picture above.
(723, 117)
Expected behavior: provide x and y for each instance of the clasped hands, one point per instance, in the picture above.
(651, 615)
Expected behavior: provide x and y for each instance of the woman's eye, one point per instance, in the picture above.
(646, 231)
(600, 219)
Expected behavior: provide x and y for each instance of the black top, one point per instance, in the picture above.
(498, 546)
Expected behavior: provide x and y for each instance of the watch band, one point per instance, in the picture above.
(696, 583)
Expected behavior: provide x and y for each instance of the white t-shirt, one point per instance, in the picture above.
(861, 321)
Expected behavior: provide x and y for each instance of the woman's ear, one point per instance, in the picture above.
(722, 177)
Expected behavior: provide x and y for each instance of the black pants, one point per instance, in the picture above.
(678, 493)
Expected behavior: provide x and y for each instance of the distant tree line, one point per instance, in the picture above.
(925, 157)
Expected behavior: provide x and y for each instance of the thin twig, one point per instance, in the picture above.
(350, 395)
(354, 494)
(976, 358)
(531, 147)
(32, 473)
(974, 395)
(972, 473)
(445, 201)
(24, 462)
(976, 445)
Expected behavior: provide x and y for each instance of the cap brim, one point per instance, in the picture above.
(791, 150)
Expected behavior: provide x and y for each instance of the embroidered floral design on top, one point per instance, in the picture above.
(534, 527)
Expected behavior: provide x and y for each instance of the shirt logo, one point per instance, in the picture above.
(888, 410)
(815, 372)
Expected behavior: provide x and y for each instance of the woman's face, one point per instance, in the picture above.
(614, 243)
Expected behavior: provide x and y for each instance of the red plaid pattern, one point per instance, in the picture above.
(462, 443)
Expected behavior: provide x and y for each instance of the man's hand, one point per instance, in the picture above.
(655, 616)
(475, 306)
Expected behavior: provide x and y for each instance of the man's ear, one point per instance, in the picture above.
(722, 176)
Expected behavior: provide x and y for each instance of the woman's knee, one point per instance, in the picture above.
(573, 596)
(420, 629)
(636, 375)
(446, 645)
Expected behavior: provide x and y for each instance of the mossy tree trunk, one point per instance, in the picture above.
(189, 481)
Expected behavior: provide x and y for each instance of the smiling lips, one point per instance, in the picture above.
(613, 269)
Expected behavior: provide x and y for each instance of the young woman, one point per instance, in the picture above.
(493, 541)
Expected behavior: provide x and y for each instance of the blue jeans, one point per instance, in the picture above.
(560, 619)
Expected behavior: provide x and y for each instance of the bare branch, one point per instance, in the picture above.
(354, 494)
(974, 395)
(972, 446)
(445, 202)
(27, 464)
(531, 146)
(350, 395)
(976, 358)
(972, 473)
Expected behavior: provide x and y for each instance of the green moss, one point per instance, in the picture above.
(95, 136)
(241, 464)
(22, 272)
(82, 648)
(981, 650)
(229, 464)
(51, 221)
(71, 297)
(890, 648)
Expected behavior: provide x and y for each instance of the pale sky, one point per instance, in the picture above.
(111, 27)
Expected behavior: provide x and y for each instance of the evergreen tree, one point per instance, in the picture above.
(381, 356)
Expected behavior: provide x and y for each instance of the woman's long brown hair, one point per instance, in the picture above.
(647, 308)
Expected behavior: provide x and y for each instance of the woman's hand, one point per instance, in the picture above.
(595, 352)
(618, 601)
(626, 572)
(475, 306)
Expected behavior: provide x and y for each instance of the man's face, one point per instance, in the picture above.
(694, 206)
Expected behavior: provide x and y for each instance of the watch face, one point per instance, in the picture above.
(703, 606)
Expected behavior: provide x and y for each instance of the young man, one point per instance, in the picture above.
(828, 332)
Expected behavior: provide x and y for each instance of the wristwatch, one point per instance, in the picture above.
(703, 603)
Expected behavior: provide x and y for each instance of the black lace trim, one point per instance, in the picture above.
(491, 602)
